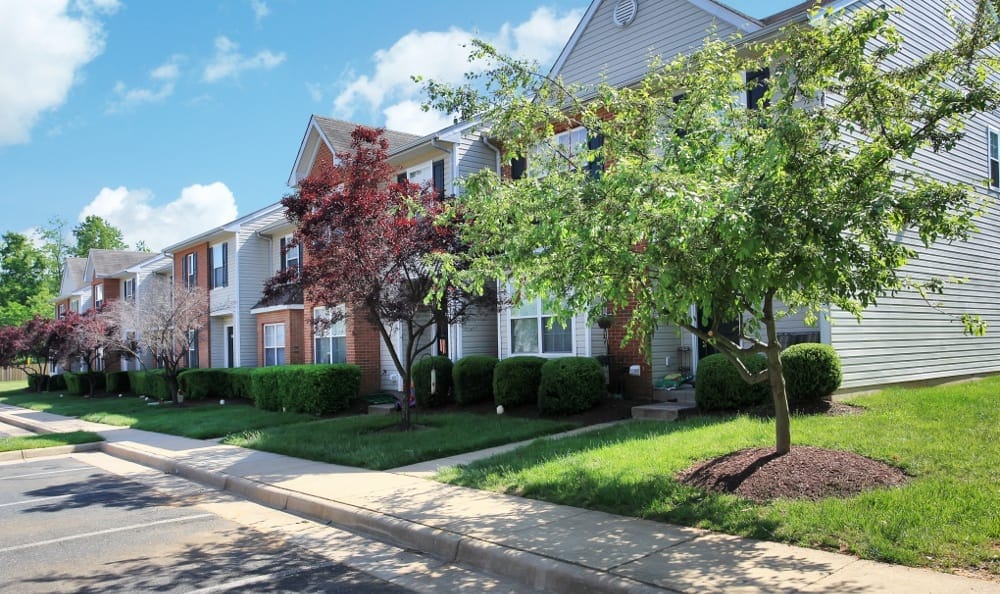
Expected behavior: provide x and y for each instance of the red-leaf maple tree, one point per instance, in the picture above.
(366, 239)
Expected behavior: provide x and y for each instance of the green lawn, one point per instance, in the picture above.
(30, 442)
(200, 422)
(365, 441)
(946, 437)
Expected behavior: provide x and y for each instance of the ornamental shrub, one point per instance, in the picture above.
(570, 385)
(718, 385)
(421, 376)
(117, 382)
(312, 389)
(812, 371)
(38, 382)
(75, 383)
(516, 380)
(56, 382)
(151, 383)
(199, 384)
(473, 378)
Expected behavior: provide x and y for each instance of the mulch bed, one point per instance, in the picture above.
(804, 473)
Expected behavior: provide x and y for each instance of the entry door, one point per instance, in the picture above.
(230, 351)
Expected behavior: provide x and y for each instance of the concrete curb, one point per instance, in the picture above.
(536, 570)
(26, 424)
(52, 451)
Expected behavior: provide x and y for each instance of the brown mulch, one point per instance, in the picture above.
(804, 473)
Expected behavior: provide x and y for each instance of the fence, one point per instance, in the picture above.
(12, 374)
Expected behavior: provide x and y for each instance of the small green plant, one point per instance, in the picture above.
(421, 372)
(516, 380)
(719, 386)
(473, 377)
(570, 385)
(812, 371)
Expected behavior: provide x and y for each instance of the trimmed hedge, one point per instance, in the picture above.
(812, 371)
(56, 382)
(117, 382)
(718, 385)
(150, 383)
(421, 375)
(313, 389)
(198, 384)
(473, 378)
(570, 385)
(78, 383)
(516, 380)
(38, 382)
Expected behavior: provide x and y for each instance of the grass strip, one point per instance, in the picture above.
(31, 442)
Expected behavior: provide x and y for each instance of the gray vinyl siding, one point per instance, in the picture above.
(902, 338)
(389, 377)
(622, 54)
(664, 343)
(479, 333)
(222, 300)
(579, 339)
(473, 156)
(253, 266)
(217, 329)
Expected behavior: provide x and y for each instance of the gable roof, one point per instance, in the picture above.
(231, 227)
(336, 135)
(72, 276)
(104, 263)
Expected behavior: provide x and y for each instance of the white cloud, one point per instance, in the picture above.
(315, 91)
(134, 213)
(229, 62)
(164, 78)
(260, 10)
(34, 76)
(390, 92)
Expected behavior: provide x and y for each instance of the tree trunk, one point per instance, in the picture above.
(171, 378)
(407, 391)
(782, 430)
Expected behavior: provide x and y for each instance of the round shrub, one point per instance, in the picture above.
(37, 382)
(516, 380)
(719, 386)
(473, 377)
(570, 385)
(421, 376)
(812, 371)
(56, 382)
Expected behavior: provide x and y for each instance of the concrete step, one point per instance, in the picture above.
(381, 409)
(680, 395)
(663, 411)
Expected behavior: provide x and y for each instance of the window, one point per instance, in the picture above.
(756, 87)
(291, 258)
(74, 306)
(192, 358)
(128, 289)
(330, 338)
(530, 331)
(98, 295)
(993, 157)
(218, 258)
(274, 344)
(190, 270)
(61, 311)
(566, 149)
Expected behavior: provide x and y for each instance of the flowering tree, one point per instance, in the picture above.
(366, 241)
(164, 325)
(28, 347)
(686, 195)
(81, 338)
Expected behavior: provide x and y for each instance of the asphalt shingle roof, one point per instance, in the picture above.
(338, 132)
(73, 274)
(111, 261)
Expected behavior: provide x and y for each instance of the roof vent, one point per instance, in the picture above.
(624, 12)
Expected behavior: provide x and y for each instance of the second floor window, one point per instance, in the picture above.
(993, 157)
(291, 257)
(219, 256)
(190, 271)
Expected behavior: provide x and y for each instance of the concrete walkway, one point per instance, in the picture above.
(550, 547)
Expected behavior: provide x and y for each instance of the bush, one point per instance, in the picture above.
(313, 389)
(150, 383)
(56, 382)
(73, 383)
(570, 385)
(473, 378)
(421, 376)
(516, 380)
(198, 384)
(812, 372)
(718, 385)
(38, 382)
(117, 382)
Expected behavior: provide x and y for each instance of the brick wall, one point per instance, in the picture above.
(202, 272)
(630, 354)
(292, 319)
(362, 345)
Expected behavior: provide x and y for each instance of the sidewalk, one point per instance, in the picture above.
(546, 546)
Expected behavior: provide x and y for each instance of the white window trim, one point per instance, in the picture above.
(426, 169)
(292, 255)
(275, 347)
(218, 263)
(541, 319)
(338, 330)
(99, 295)
(990, 134)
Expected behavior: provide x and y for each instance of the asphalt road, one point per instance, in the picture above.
(67, 526)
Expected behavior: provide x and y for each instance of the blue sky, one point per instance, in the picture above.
(168, 117)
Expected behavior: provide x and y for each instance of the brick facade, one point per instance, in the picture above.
(201, 280)
(363, 343)
(295, 350)
(624, 356)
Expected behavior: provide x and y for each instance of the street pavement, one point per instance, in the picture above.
(545, 546)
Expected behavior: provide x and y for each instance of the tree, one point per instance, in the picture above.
(164, 326)
(24, 290)
(366, 240)
(56, 250)
(683, 196)
(81, 338)
(95, 232)
(28, 347)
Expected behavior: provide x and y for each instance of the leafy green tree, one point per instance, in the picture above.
(683, 196)
(95, 232)
(24, 290)
(56, 250)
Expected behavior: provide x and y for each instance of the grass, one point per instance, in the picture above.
(31, 442)
(201, 422)
(366, 441)
(945, 437)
